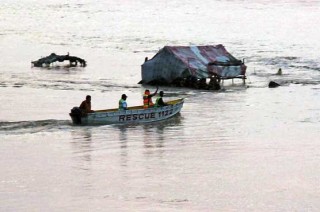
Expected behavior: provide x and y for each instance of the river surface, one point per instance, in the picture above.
(244, 148)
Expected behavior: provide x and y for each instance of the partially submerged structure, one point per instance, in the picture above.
(47, 61)
(191, 65)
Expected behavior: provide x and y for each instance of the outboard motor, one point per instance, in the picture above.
(76, 115)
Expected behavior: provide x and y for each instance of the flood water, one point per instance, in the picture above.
(244, 148)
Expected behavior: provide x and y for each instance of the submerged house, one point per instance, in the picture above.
(174, 63)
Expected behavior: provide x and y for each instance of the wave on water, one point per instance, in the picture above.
(287, 62)
(23, 127)
(295, 70)
(14, 81)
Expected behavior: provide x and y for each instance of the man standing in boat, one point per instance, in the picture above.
(147, 98)
(123, 103)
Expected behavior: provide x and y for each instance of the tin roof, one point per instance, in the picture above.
(195, 56)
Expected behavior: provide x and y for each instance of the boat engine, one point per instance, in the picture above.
(76, 115)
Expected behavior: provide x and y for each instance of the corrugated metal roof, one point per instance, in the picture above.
(201, 55)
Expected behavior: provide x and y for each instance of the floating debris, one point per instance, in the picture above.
(47, 61)
(273, 84)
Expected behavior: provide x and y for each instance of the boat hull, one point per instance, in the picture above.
(131, 116)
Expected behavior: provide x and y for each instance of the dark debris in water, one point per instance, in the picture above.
(52, 58)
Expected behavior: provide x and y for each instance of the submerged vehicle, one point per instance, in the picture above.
(135, 114)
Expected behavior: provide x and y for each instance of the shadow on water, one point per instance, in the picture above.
(82, 143)
(123, 142)
(121, 138)
(157, 129)
(150, 137)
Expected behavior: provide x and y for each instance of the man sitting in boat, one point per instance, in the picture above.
(123, 103)
(159, 101)
(85, 106)
(147, 98)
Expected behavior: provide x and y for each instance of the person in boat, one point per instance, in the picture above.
(159, 101)
(123, 103)
(85, 106)
(147, 98)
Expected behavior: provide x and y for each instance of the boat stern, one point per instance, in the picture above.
(75, 115)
